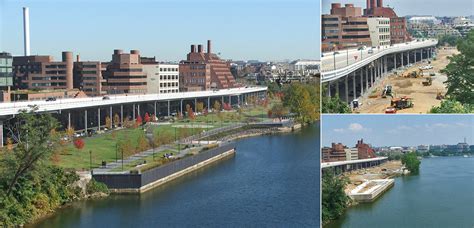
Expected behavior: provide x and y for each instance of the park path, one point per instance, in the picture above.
(142, 155)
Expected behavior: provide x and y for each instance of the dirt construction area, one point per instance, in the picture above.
(423, 96)
(386, 170)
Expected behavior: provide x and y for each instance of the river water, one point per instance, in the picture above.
(442, 195)
(271, 181)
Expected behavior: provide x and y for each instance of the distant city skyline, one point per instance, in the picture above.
(239, 29)
(416, 7)
(397, 130)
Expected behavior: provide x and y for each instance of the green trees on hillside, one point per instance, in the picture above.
(334, 200)
(303, 101)
(460, 72)
(411, 162)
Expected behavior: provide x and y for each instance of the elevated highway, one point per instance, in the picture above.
(90, 113)
(349, 73)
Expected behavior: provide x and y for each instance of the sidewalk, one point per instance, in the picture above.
(113, 165)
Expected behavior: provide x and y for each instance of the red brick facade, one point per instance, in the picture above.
(204, 71)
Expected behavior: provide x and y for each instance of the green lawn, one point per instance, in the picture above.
(103, 146)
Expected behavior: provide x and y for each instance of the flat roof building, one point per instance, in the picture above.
(124, 74)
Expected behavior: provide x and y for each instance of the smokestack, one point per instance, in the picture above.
(193, 48)
(200, 48)
(78, 58)
(379, 3)
(26, 30)
(209, 50)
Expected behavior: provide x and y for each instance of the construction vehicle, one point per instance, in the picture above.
(402, 103)
(439, 96)
(414, 74)
(387, 91)
(390, 110)
(427, 82)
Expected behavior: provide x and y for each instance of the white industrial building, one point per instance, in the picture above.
(162, 77)
(306, 66)
(352, 154)
(379, 28)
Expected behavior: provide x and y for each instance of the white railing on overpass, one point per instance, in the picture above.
(13, 108)
(331, 75)
(338, 163)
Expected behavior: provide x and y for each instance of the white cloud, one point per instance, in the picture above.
(357, 127)
(339, 130)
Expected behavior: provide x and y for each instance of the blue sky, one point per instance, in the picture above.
(397, 130)
(417, 7)
(239, 29)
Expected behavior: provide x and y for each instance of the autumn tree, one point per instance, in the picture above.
(108, 122)
(279, 111)
(139, 121)
(70, 132)
(199, 107)
(116, 120)
(79, 143)
(303, 101)
(190, 112)
(147, 117)
(217, 106)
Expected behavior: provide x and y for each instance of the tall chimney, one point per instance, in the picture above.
(200, 48)
(78, 58)
(379, 3)
(26, 30)
(68, 59)
(209, 50)
(193, 48)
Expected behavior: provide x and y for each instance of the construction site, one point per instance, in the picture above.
(413, 89)
(386, 170)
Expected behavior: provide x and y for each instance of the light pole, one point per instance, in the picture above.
(90, 160)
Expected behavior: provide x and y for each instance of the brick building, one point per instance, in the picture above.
(124, 74)
(398, 25)
(365, 150)
(43, 73)
(204, 71)
(344, 28)
(337, 152)
(88, 77)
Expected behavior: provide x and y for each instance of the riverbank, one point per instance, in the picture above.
(271, 181)
(424, 200)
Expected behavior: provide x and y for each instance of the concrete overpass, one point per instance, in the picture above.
(352, 72)
(90, 113)
(344, 166)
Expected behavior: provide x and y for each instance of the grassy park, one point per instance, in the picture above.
(106, 146)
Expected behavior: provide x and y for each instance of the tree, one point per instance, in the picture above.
(199, 107)
(205, 112)
(139, 120)
(217, 106)
(190, 112)
(279, 111)
(108, 122)
(9, 143)
(269, 113)
(451, 106)
(411, 162)
(143, 143)
(460, 72)
(116, 120)
(147, 117)
(333, 198)
(153, 118)
(79, 143)
(34, 146)
(334, 105)
(303, 101)
(70, 132)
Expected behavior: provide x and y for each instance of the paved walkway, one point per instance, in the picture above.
(142, 155)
